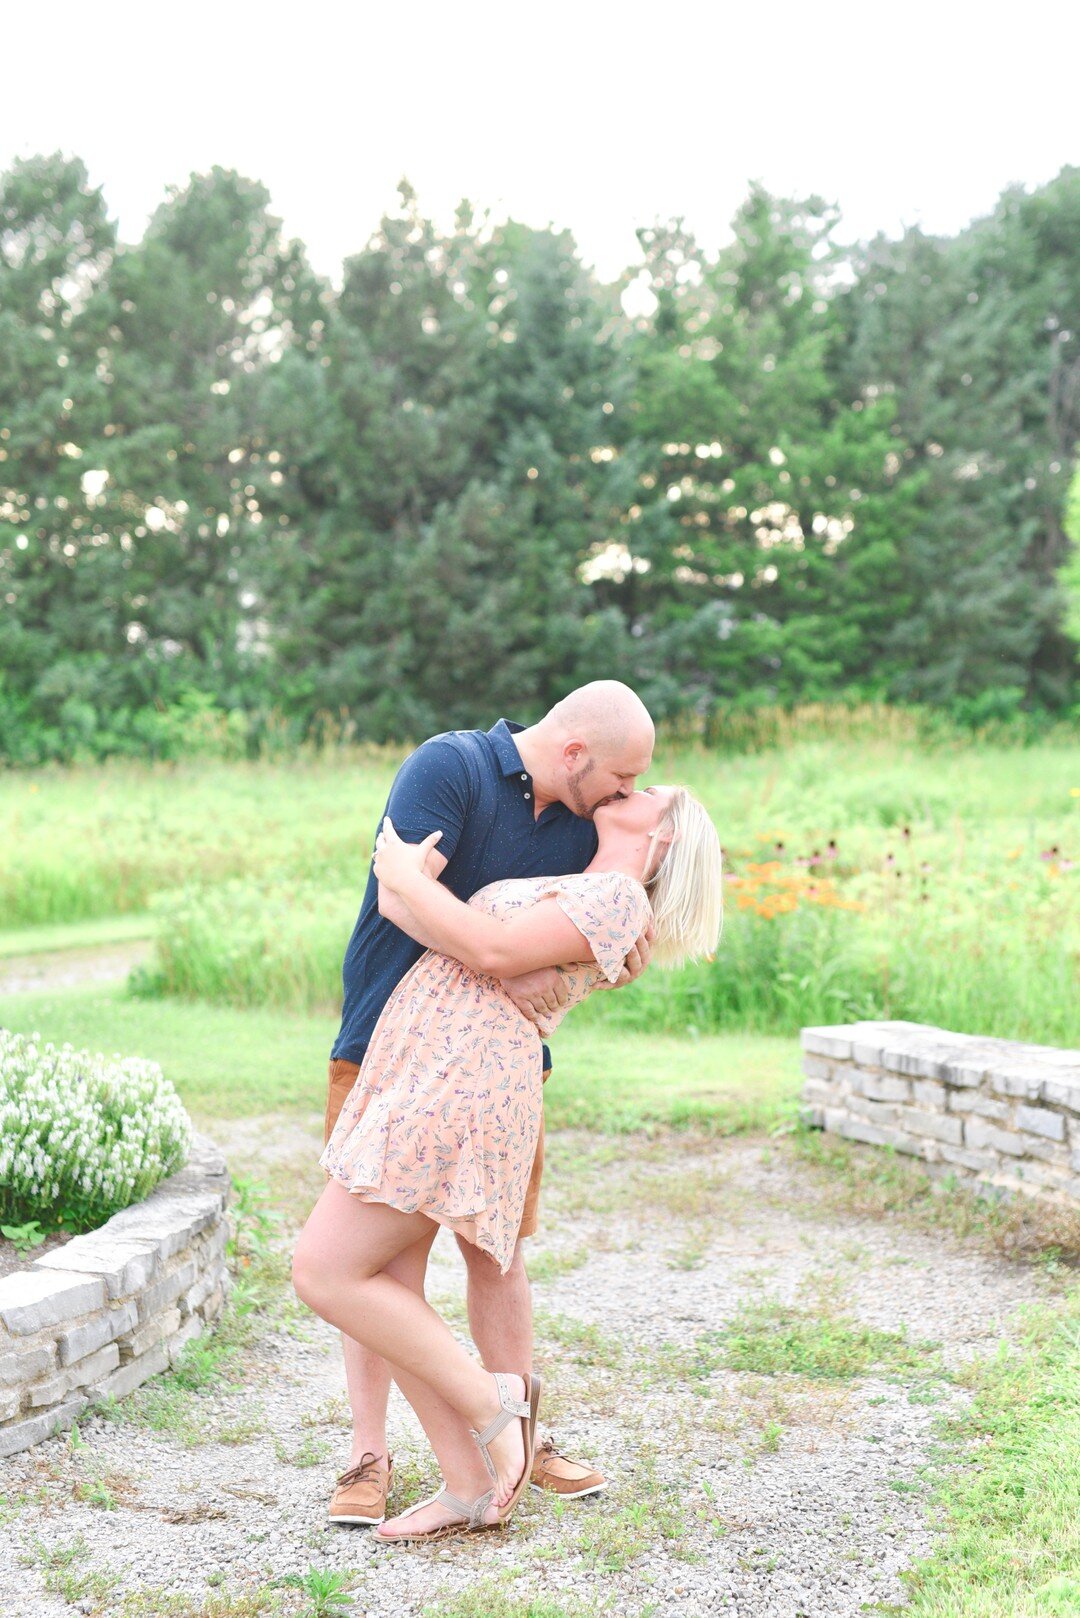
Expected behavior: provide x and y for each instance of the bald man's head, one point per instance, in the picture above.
(596, 742)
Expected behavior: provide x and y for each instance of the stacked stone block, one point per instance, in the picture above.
(1004, 1113)
(107, 1310)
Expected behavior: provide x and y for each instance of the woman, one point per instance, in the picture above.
(441, 1125)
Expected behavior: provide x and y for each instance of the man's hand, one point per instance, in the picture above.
(538, 993)
(636, 961)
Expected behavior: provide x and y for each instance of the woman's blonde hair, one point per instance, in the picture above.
(686, 890)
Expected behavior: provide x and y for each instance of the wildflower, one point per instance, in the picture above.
(831, 851)
(1051, 853)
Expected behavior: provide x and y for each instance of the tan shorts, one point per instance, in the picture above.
(343, 1077)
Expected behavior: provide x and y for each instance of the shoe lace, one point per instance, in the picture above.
(365, 1470)
(548, 1448)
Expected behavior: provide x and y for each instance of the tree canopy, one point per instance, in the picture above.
(470, 478)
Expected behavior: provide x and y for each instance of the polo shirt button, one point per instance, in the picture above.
(528, 794)
(524, 777)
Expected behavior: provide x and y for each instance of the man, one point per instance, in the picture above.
(510, 802)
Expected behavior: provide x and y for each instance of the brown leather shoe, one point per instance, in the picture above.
(555, 1472)
(360, 1496)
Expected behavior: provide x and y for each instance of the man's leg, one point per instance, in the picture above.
(500, 1306)
(367, 1376)
(500, 1319)
(500, 1309)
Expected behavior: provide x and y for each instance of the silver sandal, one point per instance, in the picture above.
(525, 1410)
(472, 1512)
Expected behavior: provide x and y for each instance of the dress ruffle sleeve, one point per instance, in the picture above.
(612, 910)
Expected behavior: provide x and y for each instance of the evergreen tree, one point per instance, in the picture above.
(1069, 576)
(767, 564)
(448, 494)
(56, 243)
(978, 341)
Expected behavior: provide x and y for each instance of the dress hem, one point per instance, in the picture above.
(455, 1223)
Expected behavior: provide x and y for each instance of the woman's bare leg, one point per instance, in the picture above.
(447, 1432)
(340, 1271)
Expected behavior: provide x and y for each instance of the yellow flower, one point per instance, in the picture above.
(1074, 792)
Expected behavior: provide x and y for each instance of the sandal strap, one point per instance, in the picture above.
(472, 1512)
(511, 1410)
(419, 1505)
(516, 1407)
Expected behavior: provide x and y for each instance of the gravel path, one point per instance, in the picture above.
(732, 1492)
(70, 968)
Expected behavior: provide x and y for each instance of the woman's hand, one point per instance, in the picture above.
(397, 863)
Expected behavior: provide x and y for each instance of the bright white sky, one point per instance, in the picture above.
(592, 115)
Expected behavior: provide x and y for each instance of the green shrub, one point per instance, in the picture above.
(250, 943)
(81, 1135)
(979, 940)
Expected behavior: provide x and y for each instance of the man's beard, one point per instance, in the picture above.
(577, 797)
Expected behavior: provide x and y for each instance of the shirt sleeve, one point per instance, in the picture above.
(611, 910)
(432, 791)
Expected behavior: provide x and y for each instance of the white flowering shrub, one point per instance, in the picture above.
(82, 1136)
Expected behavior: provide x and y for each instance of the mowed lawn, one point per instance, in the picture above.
(234, 1064)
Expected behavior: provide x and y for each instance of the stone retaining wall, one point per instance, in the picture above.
(105, 1311)
(1004, 1113)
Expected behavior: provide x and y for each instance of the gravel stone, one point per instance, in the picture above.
(818, 1521)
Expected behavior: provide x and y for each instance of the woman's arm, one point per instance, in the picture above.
(541, 936)
(394, 909)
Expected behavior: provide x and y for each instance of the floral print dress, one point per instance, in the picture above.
(445, 1113)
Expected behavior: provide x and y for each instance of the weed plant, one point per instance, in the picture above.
(1009, 1481)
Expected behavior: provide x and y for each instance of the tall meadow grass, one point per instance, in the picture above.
(871, 871)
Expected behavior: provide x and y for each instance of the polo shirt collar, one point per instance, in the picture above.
(501, 737)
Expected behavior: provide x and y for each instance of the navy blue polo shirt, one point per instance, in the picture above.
(473, 787)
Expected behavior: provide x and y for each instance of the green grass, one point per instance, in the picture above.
(492, 1598)
(64, 1572)
(237, 1064)
(80, 843)
(889, 1185)
(1009, 1483)
(76, 935)
(225, 1064)
(964, 923)
(606, 1078)
(770, 1338)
